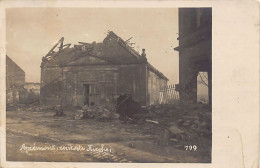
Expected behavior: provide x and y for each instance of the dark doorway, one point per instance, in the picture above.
(89, 94)
(86, 94)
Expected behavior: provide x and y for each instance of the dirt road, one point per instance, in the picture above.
(38, 136)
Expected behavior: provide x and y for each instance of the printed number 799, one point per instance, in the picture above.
(191, 147)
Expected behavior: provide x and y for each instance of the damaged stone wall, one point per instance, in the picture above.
(95, 73)
(132, 80)
(103, 79)
(155, 84)
(109, 82)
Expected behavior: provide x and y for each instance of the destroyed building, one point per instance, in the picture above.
(195, 50)
(33, 86)
(97, 73)
(30, 93)
(15, 79)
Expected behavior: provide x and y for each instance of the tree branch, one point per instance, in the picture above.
(202, 80)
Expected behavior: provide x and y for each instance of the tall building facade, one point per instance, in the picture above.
(195, 50)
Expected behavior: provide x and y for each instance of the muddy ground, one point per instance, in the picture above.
(121, 142)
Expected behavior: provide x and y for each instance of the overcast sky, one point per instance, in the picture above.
(32, 32)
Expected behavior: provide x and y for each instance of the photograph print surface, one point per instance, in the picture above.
(120, 85)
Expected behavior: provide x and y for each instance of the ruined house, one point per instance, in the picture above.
(97, 73)
(195, 50)
(15, 79)
(33, 86)
(30, 93)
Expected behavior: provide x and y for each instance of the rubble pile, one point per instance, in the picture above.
(47, 108)
(182, 121)
(79, 115)
(97, 112)
(197, 120)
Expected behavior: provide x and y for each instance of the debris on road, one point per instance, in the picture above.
(165, 126)
(96, 112)
(175, 130)
(127, 108)
(151, 121)
(181, 121)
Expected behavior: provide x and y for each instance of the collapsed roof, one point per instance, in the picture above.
(113, 49)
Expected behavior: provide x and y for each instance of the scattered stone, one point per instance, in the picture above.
(123, 160)
(173, 139)
(98, 113)
(197, 122)
(194, 126)
(120, 154)
(186, 123)
(131, 145)
(151, 121)
(79, 114)
(175, 130)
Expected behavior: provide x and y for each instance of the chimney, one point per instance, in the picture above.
(143, 53)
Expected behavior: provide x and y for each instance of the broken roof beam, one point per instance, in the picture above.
(84, 43)
(77, 46)
(66, 46)
(128, 39)
(61, 47)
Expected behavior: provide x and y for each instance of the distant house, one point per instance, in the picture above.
(32, 86)
(15, 79)
(95, 73)
(29, 93)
